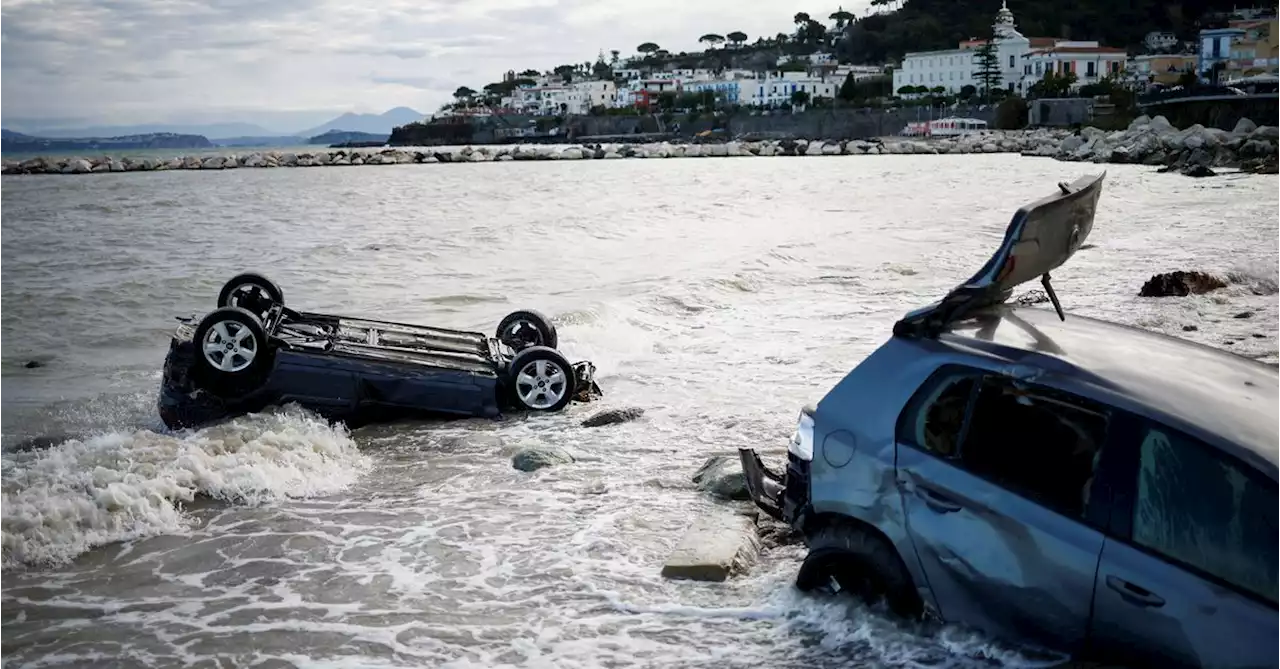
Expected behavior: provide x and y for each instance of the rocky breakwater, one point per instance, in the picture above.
(1194, 151)
(994, 142)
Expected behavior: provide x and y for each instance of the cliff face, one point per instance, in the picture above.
(432, 134)
(16, 142)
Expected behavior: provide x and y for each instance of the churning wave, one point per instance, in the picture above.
(67, 499)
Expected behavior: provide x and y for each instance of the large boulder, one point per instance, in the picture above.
(722, 477)
(1180, 284)
(1266, 133)
(1244, 126)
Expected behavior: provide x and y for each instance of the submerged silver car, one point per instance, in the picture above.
(1083, 486)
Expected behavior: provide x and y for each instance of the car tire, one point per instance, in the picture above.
(251, 291)
(846, 558)
(232, 352)
(523, 329)
(546, 366)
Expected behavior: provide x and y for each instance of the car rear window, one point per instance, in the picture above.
(1199, 508)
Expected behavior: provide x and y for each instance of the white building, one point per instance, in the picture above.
(1023, 61)
(599, 93)
(859, 72)
(777, 89)
(549, 100)
(1159, 41)
(955, 68)
(1090, 63)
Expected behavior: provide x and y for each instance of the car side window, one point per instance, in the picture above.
(934, 419)
(1040, 443)
(1196, 506)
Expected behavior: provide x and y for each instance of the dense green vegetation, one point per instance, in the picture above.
(922, 25)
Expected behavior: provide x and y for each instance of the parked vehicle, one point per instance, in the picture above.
(253, 352)
(1068, 482)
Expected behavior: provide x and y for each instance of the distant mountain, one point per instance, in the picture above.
(378, 124)
(16, 142)
(344, 137)
(211, 130)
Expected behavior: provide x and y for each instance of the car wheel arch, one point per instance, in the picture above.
(816, 524)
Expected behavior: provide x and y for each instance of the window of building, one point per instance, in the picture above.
(1090, 69)
(1012, 63)
(1203, 510)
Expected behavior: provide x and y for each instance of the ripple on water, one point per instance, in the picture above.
(720, 296)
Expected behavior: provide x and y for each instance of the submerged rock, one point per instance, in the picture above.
(722, 477)
(613, 416)
(716, 546)
(536, 457)
(1180, 284)
(1198, 171)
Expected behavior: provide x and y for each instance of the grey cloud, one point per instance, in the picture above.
(424, 83)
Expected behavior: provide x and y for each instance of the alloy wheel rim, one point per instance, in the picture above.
(230, 346)
(541, 384)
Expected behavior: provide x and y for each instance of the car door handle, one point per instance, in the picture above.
(1134, 594)
(936, 501)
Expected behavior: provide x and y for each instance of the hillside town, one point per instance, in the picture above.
(1243, 50)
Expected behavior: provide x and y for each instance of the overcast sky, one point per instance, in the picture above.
(263, 61)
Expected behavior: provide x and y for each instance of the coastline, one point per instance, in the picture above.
(1194, 151)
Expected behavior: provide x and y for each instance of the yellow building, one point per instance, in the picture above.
(1257, 51)
(1162, 68)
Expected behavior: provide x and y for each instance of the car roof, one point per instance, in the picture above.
(1234, 399)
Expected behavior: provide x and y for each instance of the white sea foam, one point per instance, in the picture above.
(64, 500)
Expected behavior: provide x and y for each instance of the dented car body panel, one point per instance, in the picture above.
(1030, 468)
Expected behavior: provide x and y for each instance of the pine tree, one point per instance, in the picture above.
(988, 73)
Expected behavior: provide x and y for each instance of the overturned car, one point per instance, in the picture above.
(1088, 487)
(253, 352)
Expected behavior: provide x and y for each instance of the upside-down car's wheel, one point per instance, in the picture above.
(231, 350)
(251, 291)
(541, 379)
(525, 328)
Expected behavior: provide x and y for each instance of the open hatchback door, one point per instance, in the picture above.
(1041, 237)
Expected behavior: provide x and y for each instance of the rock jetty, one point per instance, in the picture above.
(1194, 151)
(1149, 141)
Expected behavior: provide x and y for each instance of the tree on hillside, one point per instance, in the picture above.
(711, 39)
(647, 48)
(801, 18)
(841, 17)
(849, 89)
(530, 73)
(565, 72)
(986, 60)
(613, 58)
(601, 70)
(800, 98)
(736, 37)
(463, 94)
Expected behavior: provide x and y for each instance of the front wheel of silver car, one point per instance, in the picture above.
(541, 379)
(847, 559)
